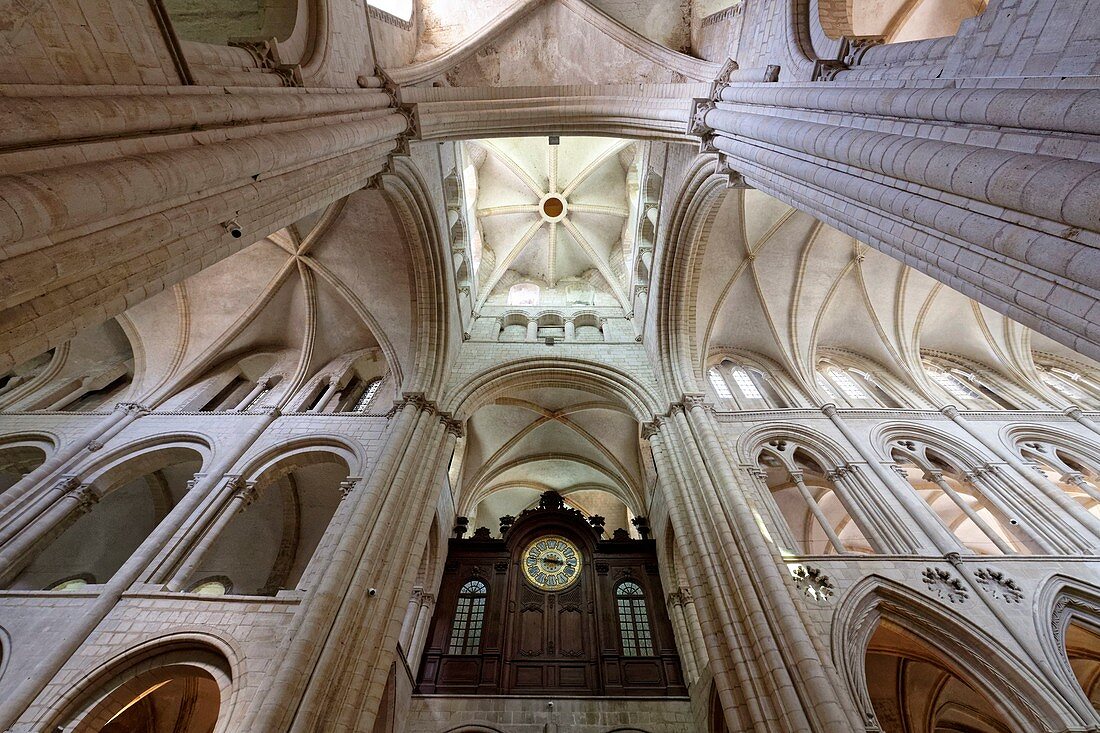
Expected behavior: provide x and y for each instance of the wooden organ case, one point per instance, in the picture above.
(597, 636)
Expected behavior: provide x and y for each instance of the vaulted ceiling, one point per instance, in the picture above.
(775, 282)
(554, 213)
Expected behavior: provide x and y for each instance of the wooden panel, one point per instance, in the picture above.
(460, 671)
(532, 631)
(646, 672)
(531, 676)
(572, 677)
(571, 633)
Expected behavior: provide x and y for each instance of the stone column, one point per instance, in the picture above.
(822, 698)
(821, 702)
(839, 478)
(1076, 413)
(91, 441)
(341, 644)
(73, 499)
(980, 478)
(322, 556)
(1035, 478)
(570, 330)
(420, 632)
(942, 540)
(937, 478)
(67, 640)
(897, 190)
(330, 392)
(811, 504)
(675, 605)
(983, 479)
(1078, 479)
(532, 330)
(789, 542)
(404, 638)
(259, 387)
(241, 495)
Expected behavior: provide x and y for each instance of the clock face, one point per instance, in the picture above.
(552, 563)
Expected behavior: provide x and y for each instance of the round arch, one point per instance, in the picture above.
(822, 448)
(134, 459)
(577, 374)
(280, 460)
(106, 690)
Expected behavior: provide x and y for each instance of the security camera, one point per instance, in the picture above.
(233, 228)
(372, 592)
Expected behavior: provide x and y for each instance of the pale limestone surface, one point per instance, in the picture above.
(178, 404)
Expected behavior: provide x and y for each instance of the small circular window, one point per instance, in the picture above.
(77, 582)
(211, 587)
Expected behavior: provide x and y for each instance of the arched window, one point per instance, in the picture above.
(748, 387)
(633, 620)
(469, 616)
(972, 390)
(75, 582)
(363, 403)
(1073, 385)
(216, 586)
(523, 294)
(720, 387)
(851, 387)
(953, 385)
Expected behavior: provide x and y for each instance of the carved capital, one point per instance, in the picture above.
(697, 125)
(347, 486)
(453, 426)
(724, 75)
(757, 472)
(855, 47)
(651, 428)
(246, 495)
(86, 497)
(67, 483)
(132, 408)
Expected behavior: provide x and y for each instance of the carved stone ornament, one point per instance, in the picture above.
(697, 125)
(86, 498)
(93, 446)
(999, 585)
(944, 585)
(813, 582)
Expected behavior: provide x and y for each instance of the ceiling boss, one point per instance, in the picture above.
(552, 563)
